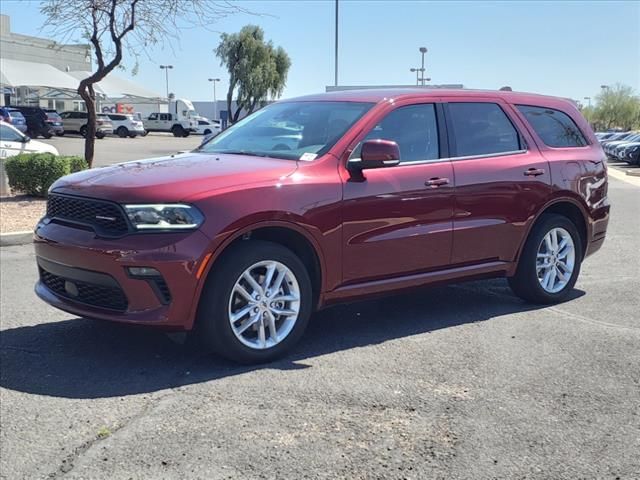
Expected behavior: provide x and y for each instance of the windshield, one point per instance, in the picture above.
(289, 130)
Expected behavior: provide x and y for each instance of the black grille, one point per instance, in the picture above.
(163, 290)
(105, 218)
(111, 298)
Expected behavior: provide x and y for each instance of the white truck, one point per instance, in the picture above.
(180, 120)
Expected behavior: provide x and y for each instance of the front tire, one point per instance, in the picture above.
(550, 261)
(178, 131)
(122, 132)
(256, 303)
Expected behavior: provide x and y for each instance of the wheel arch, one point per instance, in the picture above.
(288, 234)
(569, 208)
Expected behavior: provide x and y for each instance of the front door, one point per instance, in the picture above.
(11, 142)
(501, 181)
(398, 220)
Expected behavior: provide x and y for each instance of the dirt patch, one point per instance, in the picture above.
(20, 213)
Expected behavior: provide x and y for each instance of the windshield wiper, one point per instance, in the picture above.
(239, 152)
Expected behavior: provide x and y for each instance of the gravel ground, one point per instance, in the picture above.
(458, 382)
(20, 213)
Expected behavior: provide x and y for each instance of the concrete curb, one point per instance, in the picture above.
(624, 176)
(16, 238)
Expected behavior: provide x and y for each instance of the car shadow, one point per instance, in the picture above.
(90, 359)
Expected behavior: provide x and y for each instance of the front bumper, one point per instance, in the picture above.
(76, 259)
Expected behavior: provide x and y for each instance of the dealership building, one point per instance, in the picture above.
(38, 71)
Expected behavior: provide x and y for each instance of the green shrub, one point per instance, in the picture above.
(33, 173)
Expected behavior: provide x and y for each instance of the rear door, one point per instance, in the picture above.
(502, 181)
(398, 220)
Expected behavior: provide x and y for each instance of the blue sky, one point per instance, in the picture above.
(558, 48)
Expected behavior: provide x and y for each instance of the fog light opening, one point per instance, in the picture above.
(143, 272)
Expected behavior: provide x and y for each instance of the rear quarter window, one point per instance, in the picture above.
(555, 128)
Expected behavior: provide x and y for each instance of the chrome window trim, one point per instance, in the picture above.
(451, 159)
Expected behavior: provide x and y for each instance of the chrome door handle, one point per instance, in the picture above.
(436, 182)
(534, 172)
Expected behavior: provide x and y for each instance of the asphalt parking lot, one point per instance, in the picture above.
(115, 149)
(463, 381)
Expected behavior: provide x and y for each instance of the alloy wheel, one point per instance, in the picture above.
(264, 305)
(555, 260)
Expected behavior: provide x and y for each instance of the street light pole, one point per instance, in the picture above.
(415, 70)
(215, 101)
(166, 69)
(423, 50)
(588, 99)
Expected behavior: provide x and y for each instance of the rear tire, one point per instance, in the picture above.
(83, 131)
(122, 132)
(547, 272)
(220, 299)
(60, 134)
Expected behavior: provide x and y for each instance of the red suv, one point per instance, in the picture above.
(324, 199)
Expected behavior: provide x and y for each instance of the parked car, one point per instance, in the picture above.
(616, 150)
(125, 125)
(382, 191)
(615, 137)
(54, 121)
(14, 142)
(170, 122)
(14, 117)
(207, 127)
(37, 121)
(631, 154)
(609, 147)
(77, 122)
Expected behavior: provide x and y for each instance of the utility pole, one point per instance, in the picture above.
(335, 81)
(215, 101)
(166, 69)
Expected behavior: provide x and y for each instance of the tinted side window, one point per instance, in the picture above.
(414, 128)
(555, 128)
(482, 129)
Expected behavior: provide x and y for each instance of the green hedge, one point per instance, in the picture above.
(33, 173)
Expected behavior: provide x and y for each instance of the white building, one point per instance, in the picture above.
(38, 71)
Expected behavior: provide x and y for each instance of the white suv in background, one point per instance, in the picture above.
(125, 125)
(77, 122)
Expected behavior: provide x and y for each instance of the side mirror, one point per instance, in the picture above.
(377, 154)
(26, 139)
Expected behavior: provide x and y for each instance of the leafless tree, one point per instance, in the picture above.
(118, 27)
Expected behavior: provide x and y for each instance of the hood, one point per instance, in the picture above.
(173, 178)
(41, 147)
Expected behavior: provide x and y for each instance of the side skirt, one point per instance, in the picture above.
(397, 284)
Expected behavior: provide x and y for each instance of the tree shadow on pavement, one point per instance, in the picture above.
(90, 359)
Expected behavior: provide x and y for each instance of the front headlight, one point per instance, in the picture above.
(175, 216)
